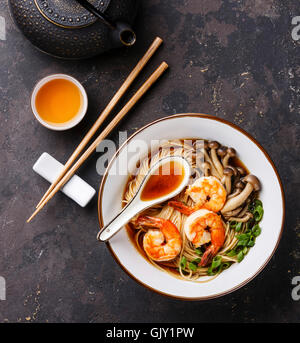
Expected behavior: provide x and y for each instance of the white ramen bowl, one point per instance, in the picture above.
(255, 159)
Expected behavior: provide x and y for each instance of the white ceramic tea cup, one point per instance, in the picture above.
(81, 112)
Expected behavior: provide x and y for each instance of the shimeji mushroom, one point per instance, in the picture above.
(206, 167)
(241, 171)
(230, 152)
(244, 219)
(235, 171)
(207, 158)
(233, 212)
(228, 172)
(222, 151)
(252, 183)
(238, 187)
(213, 154)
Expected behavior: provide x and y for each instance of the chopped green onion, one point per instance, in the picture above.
(243, 236)
(238, 226)
(216, 266)
(216, 262)
(196, 260)
(256, 207)
(240, 256)
(258, 202)
(231, 253)
(258, 213)
(192, 266)
(243, 239)
(256, 230)
(183, 262)
(251, 242)
(198, 252)
(254, 204)
(210, 271)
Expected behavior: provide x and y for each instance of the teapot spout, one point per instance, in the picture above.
(123, 34)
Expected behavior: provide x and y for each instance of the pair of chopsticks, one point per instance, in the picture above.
(69, 170)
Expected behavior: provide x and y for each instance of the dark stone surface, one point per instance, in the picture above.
(233, 59)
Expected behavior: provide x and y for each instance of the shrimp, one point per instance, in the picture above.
(205, 226)
(207, 192)
(163, 244)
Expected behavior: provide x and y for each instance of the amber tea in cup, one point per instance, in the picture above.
(59, 102)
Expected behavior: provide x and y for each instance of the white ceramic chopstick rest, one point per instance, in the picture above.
(76, 188)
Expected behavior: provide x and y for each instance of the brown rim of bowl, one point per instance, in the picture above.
(207, 116)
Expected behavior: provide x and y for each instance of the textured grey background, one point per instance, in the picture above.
(233, 59)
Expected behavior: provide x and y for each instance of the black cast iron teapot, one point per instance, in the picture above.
(76, 28)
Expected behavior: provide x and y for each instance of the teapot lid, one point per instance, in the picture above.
(68, 13)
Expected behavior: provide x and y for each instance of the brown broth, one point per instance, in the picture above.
(236, 162)
(163, 181)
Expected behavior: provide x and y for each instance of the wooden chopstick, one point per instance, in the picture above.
(127, 83)
(136, 97)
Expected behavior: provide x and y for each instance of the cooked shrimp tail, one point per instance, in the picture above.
(217, 240)
(208, 255)
(181, 207)
(149, 221)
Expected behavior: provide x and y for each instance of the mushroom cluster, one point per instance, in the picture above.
(239, 186)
